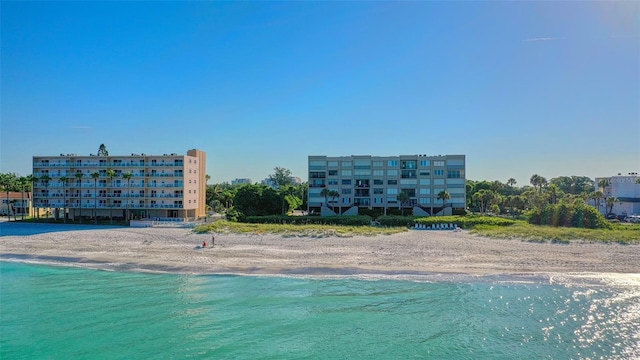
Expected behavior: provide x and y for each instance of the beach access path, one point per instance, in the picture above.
(414, 252)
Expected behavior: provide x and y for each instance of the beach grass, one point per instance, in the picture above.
(620, 233)
(290, 230)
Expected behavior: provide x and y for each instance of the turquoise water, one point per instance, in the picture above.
(74, 313)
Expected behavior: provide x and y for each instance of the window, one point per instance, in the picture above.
(378, 172)
(332, 181)
(425, 173)
(392, 163)
(392, 200)
(333, 172)
(346, 181)
(425, 191)
(408, 174)
(346, 173)
(332, 163)
(392, 182)
(346, 191)
(378, 191)
(453, 174)
(378, 182)
(378, 163)
(392, 191)
(408, 164)
(346, 164)
(425, 163)
(424, 200)
(438, 172)
(438, 163)
(438, 181)
(392, 172)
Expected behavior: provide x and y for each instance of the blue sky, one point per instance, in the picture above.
(520, 88)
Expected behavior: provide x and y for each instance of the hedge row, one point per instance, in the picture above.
(358, 220)
(569, 215)
(465, 222)
(396, 220)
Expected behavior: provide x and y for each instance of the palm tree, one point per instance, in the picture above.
(554, 192)
(333, 194)
(402, 198)
(511, 182)
(22, 181)
(610, 202)
(325, 192)
(538, 182)
(79, 175)
(12, 203)
(6, 181)
(64, 180)
(127, 176)
(95, 175)
(33, 179)
(111, 174)
(45, 179)
(444, 195)
(603, 183)
(596, 196)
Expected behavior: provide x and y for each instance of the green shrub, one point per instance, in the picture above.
(568, 215)
(357, 220)
(395, 220)
(466, 222)
(373, 212)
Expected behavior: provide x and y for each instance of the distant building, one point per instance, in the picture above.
(241, 181)
(160, 186)
(376, 181)
(16, 203)
(270, 183)
(626, 189)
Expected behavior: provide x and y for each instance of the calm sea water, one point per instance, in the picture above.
(74, 313)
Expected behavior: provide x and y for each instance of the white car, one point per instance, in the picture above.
(632, 219)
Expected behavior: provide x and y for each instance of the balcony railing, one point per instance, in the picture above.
(110, 206)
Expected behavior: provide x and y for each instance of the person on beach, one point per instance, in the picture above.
(213, 240)
(204, 244)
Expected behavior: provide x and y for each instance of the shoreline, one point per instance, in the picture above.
(419, 254)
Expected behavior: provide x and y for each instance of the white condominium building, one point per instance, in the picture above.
(377, 181)
(625, 189)
(140, 185)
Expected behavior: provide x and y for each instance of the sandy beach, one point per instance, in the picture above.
(415, 252)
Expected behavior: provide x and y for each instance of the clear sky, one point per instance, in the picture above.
(520, 88)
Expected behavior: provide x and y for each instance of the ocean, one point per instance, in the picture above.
(74, 313)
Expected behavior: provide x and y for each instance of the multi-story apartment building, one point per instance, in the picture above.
(138, 186)
(377, 181)
(625, 189)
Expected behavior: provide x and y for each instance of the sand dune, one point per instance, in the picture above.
(413, 252)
